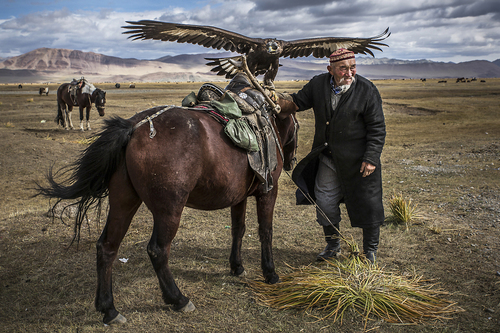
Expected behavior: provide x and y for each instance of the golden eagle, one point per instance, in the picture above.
(262, 53)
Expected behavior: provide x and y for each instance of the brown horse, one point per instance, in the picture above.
(65, 105)
(171, 158)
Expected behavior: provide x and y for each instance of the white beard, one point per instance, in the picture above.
(345, 87)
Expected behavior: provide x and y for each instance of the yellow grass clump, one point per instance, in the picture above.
(402, 210)
(87, 141)
(356, 284)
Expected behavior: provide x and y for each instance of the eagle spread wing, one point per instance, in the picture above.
(207, 36)
(262, 54)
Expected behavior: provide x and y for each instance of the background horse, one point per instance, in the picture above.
(85, 100)
(186, 161)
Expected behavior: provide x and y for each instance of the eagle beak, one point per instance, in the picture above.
(272, 48)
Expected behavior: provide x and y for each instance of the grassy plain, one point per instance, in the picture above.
(442, 151)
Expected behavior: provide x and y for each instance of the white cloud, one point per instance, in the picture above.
(456, 30)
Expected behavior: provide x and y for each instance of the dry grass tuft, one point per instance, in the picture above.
(402, 210)
(355, 284)
(86, 141)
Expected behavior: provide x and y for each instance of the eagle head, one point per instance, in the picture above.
(273, 47)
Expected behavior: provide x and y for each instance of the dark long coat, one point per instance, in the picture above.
(353, 133)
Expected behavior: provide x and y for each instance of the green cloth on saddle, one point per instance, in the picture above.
(237, 128)
(227, 106)
(240, 132)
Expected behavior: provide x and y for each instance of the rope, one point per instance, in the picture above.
(152, 130)
(315, 205)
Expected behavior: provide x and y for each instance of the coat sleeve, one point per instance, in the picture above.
(304, 98)
(375, 128)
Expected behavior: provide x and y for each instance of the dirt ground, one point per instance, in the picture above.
(442, 151)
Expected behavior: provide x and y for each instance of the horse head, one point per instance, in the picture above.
(100, 100)
(288, 127)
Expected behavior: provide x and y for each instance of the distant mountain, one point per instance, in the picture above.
(45, 59)
(61, 65)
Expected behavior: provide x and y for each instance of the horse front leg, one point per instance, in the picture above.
(81, 119)
(166, 223)
(265, 210)
(87, 117)
(237, 231)
(123, 204)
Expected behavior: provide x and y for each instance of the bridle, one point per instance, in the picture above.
(99, 98)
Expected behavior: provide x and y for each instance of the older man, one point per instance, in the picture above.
(344, 163)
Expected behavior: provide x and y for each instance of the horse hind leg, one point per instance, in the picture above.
(123, 204)
(166, 223)
(67, 118)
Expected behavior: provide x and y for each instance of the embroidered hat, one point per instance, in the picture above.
(341, 54)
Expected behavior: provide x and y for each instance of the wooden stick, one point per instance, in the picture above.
(252, 78)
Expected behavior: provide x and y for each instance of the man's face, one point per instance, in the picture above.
(343, 71)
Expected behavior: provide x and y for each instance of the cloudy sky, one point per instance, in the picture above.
(439, 30)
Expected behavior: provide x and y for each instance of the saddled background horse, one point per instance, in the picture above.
(85, 100)
(189, 162)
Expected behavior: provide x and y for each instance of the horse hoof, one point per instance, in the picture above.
(188, 307)
(118, 320)
(239, 271)
(273, 279)
(242, 274)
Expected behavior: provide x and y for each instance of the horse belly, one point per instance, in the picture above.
(224, 185)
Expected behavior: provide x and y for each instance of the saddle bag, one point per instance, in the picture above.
(241, 133)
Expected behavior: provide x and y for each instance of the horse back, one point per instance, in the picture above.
(189, 157)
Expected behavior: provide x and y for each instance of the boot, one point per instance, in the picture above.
(332, 239)
(371, 237)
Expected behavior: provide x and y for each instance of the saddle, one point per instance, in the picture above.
(86, 88)
(248, 127)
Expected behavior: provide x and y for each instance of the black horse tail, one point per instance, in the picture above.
(88, 177)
